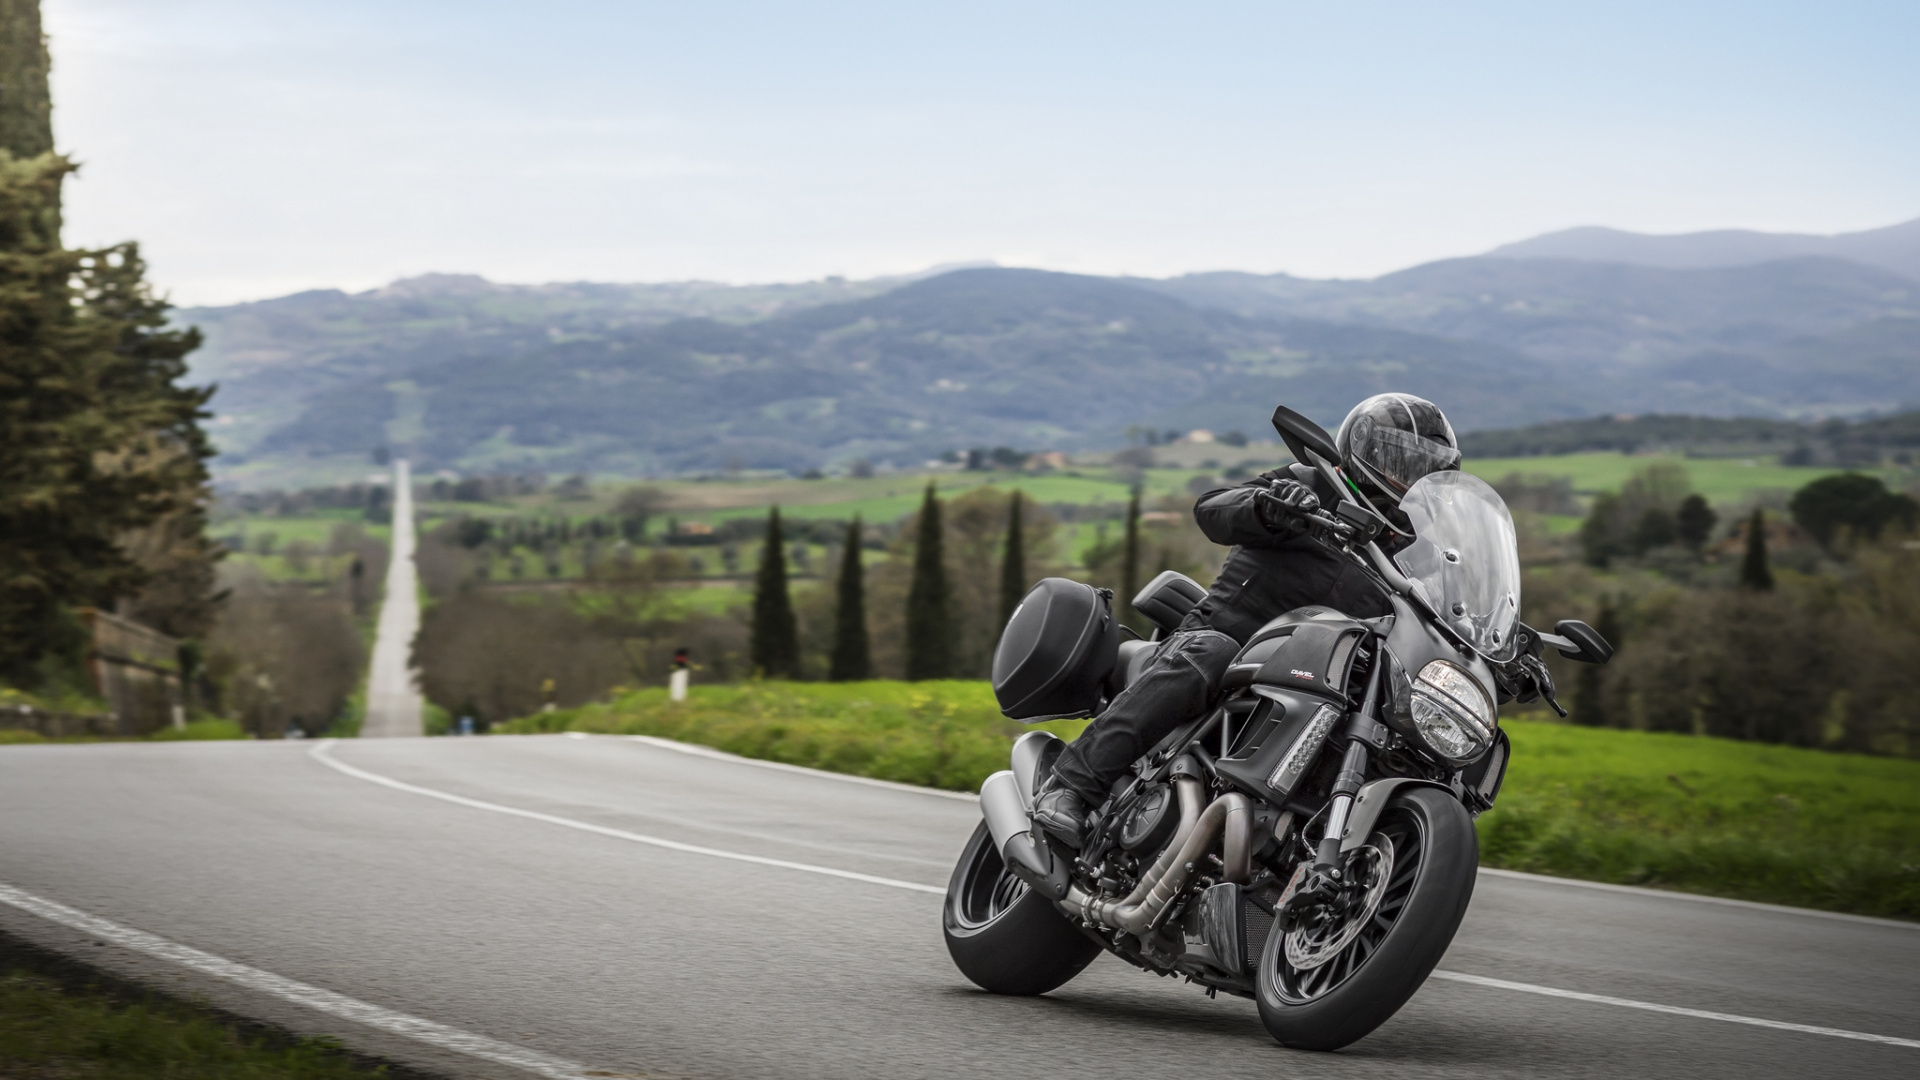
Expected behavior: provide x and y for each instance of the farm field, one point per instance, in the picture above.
(296, 547)
(886, 498)
(1721, 480)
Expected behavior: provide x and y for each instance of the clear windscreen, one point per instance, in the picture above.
(1464, 554)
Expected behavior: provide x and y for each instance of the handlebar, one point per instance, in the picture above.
(1321, 520)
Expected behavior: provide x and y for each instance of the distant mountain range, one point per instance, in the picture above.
(1896, 248)
(463, 373)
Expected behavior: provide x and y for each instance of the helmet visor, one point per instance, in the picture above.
(1398, 458)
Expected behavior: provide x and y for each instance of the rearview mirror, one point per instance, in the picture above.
(1301, 435)
(1589, 646)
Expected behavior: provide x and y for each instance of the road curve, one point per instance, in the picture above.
(393, 687)
(613, 907)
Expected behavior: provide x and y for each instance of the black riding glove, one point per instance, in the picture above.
(1284, 505)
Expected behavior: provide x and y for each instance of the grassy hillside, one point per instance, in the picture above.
(1776, 824)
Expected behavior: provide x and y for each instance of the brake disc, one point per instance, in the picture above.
(1368, 869)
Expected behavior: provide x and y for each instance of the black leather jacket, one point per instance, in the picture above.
(1267, 575)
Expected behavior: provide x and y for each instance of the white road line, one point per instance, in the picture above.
(696, 750)
(1673, 1010)
(326, 1001)
(319, 753)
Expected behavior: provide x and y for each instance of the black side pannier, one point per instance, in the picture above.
(1056, 653)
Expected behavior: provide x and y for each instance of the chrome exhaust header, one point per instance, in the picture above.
(1228, 818)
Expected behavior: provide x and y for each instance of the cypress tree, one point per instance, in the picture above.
(1130, 563)
(1754, 571)
(775, 644)
(26, 106)
(98, 441)
(1013, 568)
(930, 629)
(852, 659)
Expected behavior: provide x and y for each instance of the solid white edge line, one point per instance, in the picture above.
(696, 750)
(1673, 1010)
(299, 993)
(319, 753)
(1723, 901)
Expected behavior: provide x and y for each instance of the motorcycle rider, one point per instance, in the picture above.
(1278, 563)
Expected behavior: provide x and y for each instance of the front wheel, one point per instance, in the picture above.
(1341, 975)
(1004, 936)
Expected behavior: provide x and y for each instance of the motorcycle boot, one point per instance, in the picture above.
(1061, 813)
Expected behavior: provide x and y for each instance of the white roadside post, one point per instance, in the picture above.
(677, 681)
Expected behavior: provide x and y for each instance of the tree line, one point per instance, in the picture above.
(943, 635)
(924, 597)
(1791, 623)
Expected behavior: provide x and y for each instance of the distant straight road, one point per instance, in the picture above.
(393, 688)
(574, 907)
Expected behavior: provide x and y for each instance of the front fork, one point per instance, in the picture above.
(1353, 771)
(1324, 879)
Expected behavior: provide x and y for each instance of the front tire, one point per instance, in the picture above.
(1434, 858)
(1004, 936)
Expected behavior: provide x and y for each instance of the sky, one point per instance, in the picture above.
(261, 148)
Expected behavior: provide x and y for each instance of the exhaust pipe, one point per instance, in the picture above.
(1228, 818)
(1030, 858)
(1140, 911)
(1001, 805)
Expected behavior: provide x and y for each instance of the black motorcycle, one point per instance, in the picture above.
(1309, 842)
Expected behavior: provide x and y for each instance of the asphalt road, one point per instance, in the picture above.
(607, 907)
(393, 687)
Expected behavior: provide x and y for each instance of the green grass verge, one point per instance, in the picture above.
(50, 1031)
(204, 728)
(209, 728)
(938, 734)
(1769, 823)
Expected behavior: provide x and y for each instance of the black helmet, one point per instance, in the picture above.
(1390, 440)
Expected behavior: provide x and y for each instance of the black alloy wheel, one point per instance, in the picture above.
(1331, 982)
(1004, 936)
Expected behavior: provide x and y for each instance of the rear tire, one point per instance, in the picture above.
(1004, 936)
(1428, 889)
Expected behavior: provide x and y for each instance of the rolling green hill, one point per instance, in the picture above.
(1015, 357)
(460, 373)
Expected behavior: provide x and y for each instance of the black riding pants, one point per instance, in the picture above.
(1177, 686)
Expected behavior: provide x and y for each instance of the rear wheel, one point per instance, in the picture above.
(1335, 979)
(1003, 935)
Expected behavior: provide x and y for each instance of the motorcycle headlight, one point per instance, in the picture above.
(1451, 711)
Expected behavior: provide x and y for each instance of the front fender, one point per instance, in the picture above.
(1373, 798)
